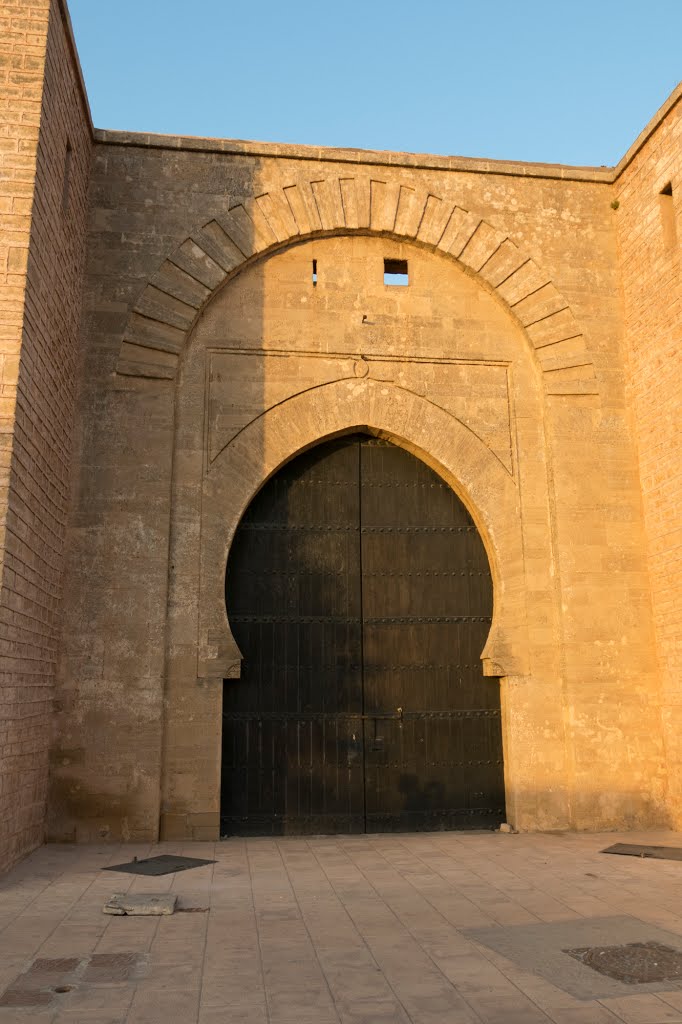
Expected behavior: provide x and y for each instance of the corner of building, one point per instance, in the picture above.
(44, 175)
(648, 202)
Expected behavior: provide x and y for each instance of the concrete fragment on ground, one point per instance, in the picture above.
(140, 904)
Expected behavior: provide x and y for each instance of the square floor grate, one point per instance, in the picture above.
(653, 852)
(38, 985)
(107, 967)
(164, 864)
(636, 963)
(49, 980)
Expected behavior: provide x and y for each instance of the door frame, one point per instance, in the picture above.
(200, 645)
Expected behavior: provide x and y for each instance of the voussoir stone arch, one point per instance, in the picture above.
(162, 319)
(406, 419)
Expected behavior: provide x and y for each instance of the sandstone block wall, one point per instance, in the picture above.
(197, 252)
(44, 172)
(23, 41)
(649, 191)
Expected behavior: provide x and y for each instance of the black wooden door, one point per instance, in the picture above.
(359, 593)
(292, 725)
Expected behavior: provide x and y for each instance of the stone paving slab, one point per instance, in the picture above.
(442, 928)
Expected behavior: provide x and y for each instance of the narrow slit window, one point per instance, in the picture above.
(395, 272)
(66, 184)
(314, 273)
(665, 200)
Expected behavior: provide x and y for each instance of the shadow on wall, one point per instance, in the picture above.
(135, 733)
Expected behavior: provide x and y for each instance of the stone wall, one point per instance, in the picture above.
(23, 42)
(44, 165)
(649, 190)
(197, 251)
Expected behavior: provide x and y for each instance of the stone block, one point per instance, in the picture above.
(140, 904)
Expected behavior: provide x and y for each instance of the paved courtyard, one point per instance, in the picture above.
(431, 929)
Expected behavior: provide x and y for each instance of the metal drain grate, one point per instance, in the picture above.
(164, 864)
(46, 981)
(636, 963)
(108, 967)
(654, 852)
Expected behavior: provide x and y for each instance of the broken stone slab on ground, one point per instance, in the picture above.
(140, 904)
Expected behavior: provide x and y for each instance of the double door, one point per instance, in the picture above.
(359, 592)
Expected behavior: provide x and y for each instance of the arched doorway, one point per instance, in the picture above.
(359, 593)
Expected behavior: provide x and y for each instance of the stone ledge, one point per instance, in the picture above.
(331, 154)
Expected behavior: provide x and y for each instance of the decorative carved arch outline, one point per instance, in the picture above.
(162, 319)
(432, 434)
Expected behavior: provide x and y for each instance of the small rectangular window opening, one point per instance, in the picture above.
(66, 185)
(665, 201)
(395, 272)
(314, 272)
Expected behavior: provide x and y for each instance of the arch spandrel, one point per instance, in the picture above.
(160, 323)
(407, 420)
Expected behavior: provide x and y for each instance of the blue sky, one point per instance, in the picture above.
(567, 81)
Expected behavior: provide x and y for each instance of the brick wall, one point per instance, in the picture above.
(650, 234)
(42, 233)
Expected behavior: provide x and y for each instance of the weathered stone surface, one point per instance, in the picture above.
(140, 904)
